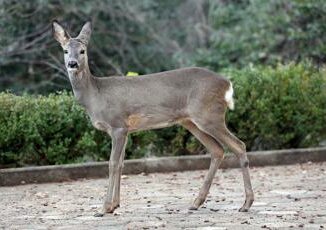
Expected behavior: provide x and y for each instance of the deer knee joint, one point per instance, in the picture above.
(243, 146)
(218, 155)
(114, 166)
(244, 163)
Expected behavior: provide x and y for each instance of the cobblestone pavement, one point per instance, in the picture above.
(285, 197)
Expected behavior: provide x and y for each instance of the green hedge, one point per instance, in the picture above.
(283, 107)
(54, 129)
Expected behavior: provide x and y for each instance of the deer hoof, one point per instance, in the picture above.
(197, 203)
(246, 205)
(192, 207)
(110, 207)
(243, 209)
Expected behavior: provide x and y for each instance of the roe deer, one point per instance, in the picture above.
(195, 98)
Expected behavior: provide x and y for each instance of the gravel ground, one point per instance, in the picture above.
(285, 197)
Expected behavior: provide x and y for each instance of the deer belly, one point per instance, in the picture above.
(137, 122)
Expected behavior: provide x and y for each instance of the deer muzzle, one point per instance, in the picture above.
(72, 65)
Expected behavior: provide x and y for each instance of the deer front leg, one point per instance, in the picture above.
(117, 183)
(119, 138)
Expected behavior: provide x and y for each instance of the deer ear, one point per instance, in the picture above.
(85, 32)
(59, 33)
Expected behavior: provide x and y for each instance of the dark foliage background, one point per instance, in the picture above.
(149, 36)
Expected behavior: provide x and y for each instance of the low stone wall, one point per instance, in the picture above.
(57, 173)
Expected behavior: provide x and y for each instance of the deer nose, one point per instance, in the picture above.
(72, 64)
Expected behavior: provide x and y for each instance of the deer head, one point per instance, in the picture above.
(75, 49)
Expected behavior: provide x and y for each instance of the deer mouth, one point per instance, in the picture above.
(72, 69)
(72, 66)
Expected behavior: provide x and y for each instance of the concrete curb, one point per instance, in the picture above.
(58, 173)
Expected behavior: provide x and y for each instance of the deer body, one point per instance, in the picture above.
(195, 98)
(149, 101)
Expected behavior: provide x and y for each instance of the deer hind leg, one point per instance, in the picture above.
(239, 148)
(217, 155)
(224, 136)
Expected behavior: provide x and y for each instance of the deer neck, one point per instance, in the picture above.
(83, 84)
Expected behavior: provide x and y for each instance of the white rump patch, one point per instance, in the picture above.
(229, 97)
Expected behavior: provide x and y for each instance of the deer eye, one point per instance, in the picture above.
(82, 51)
(65, 51)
